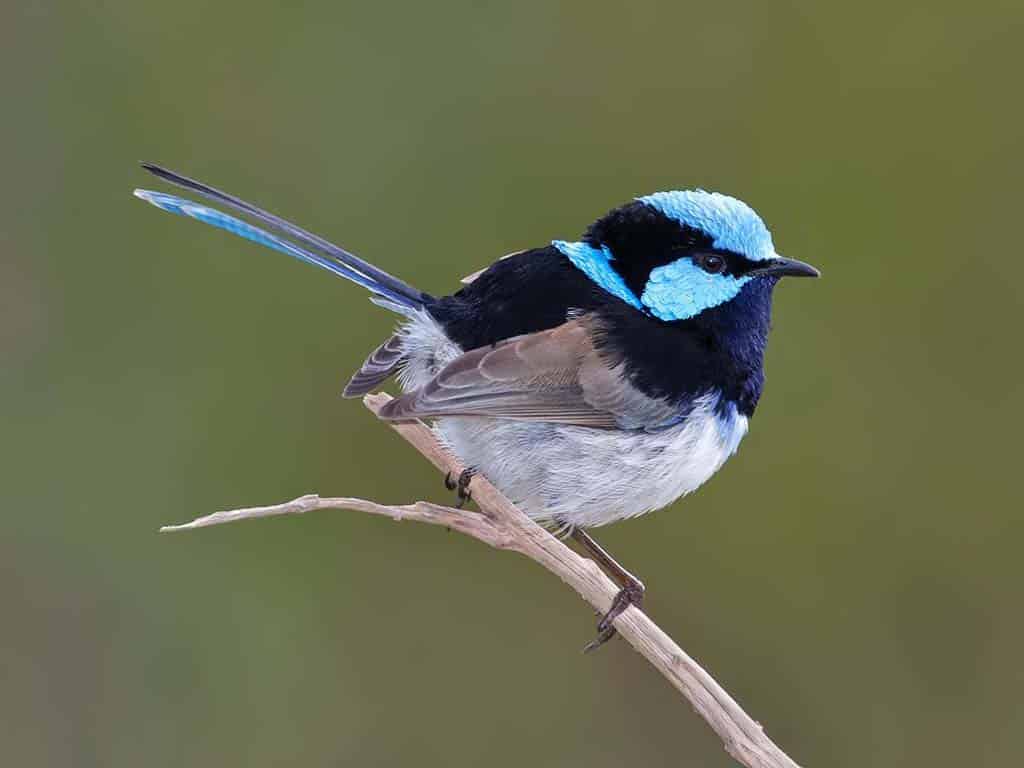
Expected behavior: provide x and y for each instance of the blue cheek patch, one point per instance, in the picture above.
(681, 290)
(595, 263)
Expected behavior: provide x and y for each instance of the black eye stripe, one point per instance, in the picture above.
(641, 239)
(734, 264)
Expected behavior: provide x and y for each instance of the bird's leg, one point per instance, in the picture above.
(631, 589)
(460, 485)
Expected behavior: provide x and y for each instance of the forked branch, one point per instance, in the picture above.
(502, 525)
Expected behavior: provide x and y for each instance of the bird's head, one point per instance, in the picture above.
(676, 254)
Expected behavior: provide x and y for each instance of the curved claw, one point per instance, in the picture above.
(460, 485)
(632, 593)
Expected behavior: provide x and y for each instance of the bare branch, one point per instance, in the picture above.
(502, 525)
(470, 523)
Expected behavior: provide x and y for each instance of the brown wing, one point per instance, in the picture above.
(555, 375)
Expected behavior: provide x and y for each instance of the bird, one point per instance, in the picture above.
(589, 380)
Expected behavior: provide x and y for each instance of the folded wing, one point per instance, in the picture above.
(557, 375)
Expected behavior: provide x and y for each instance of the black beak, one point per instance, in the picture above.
(786, 268)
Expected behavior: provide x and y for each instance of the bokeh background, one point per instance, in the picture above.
(853, 576)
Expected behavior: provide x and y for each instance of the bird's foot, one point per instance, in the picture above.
(631, 589)
(460, 486)
(631, 593)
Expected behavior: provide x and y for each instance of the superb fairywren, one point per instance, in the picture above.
(590, 380)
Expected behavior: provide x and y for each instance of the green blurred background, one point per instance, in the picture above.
(853, 576)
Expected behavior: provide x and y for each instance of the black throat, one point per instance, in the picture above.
(721, 349)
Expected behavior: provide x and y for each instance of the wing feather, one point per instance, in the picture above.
(557, 375)
(378, 367)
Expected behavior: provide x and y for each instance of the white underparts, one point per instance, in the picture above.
(567, 475)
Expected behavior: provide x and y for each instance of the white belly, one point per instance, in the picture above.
(580, 476)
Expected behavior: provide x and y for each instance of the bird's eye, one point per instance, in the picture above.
(711, 263)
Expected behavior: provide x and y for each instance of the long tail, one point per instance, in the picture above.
(317, 250)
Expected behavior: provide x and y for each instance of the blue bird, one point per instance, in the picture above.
(591, 380)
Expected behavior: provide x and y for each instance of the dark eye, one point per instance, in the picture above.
(710, 262)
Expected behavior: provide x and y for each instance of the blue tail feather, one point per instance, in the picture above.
(293, 231)
(216, 218)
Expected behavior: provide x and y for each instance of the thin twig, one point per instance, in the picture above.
(502, 525)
